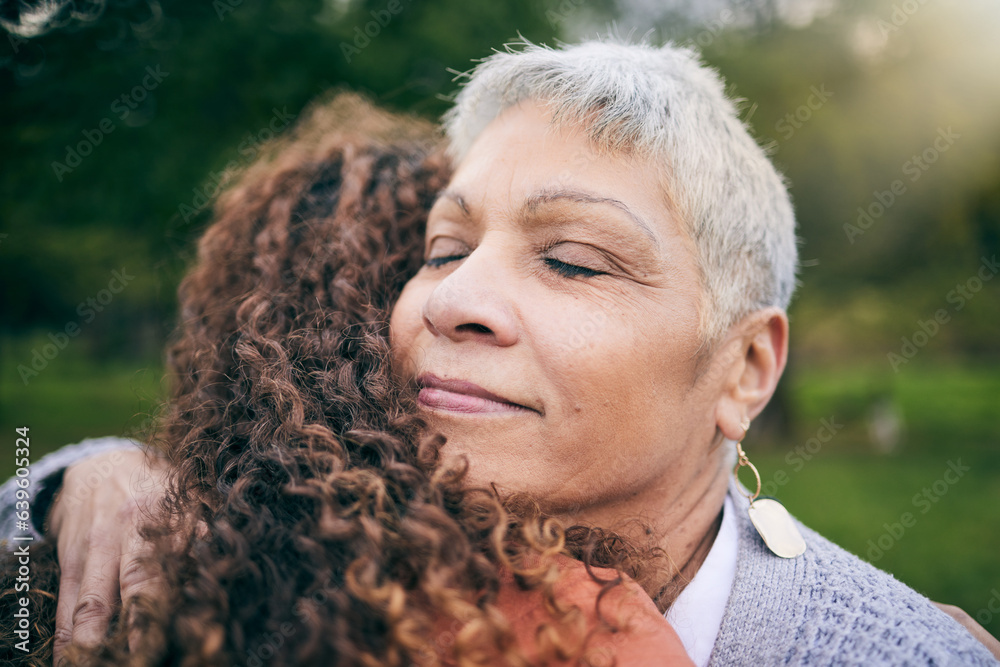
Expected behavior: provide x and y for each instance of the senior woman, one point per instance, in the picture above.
(600, 316)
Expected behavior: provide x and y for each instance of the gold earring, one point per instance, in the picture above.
(773, 522)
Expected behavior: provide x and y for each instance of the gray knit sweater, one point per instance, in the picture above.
(826, 607)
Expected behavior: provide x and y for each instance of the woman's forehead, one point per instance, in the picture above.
(527, 152)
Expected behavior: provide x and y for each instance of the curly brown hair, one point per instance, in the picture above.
(308, 518)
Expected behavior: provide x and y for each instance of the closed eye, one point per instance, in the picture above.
(438, 261)
(571, 270)
(568, 270)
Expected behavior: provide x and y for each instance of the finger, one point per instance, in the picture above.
(71, 551)
(69, 588)
(139, 576)
(98, 593)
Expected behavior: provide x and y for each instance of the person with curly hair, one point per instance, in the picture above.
(303, 506)
(588, 322)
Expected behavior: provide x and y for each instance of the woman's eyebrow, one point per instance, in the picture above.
(455, 197)
(582, 197)
(533, 201)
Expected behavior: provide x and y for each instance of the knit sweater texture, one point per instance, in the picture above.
(829, 607)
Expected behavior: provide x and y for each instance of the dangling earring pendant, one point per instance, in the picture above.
(769, 517)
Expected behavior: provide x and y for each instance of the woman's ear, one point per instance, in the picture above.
(759, 353)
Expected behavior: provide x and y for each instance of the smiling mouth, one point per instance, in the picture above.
(462, 396)
(447, 400)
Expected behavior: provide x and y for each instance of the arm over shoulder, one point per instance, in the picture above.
(45, 479)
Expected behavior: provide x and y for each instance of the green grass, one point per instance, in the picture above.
(847, 490)
(940, 407)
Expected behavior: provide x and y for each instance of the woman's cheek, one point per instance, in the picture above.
(404, 330)
(585, 332)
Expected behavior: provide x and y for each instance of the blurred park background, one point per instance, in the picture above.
(116, 122)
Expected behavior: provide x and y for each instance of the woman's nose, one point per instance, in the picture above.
(474, 302)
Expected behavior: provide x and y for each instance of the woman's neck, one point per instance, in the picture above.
(682, 520)
(676, 580)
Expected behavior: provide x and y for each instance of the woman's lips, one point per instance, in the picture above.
(447, 400)
(461, 396)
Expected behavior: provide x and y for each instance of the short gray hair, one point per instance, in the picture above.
(667, 105)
